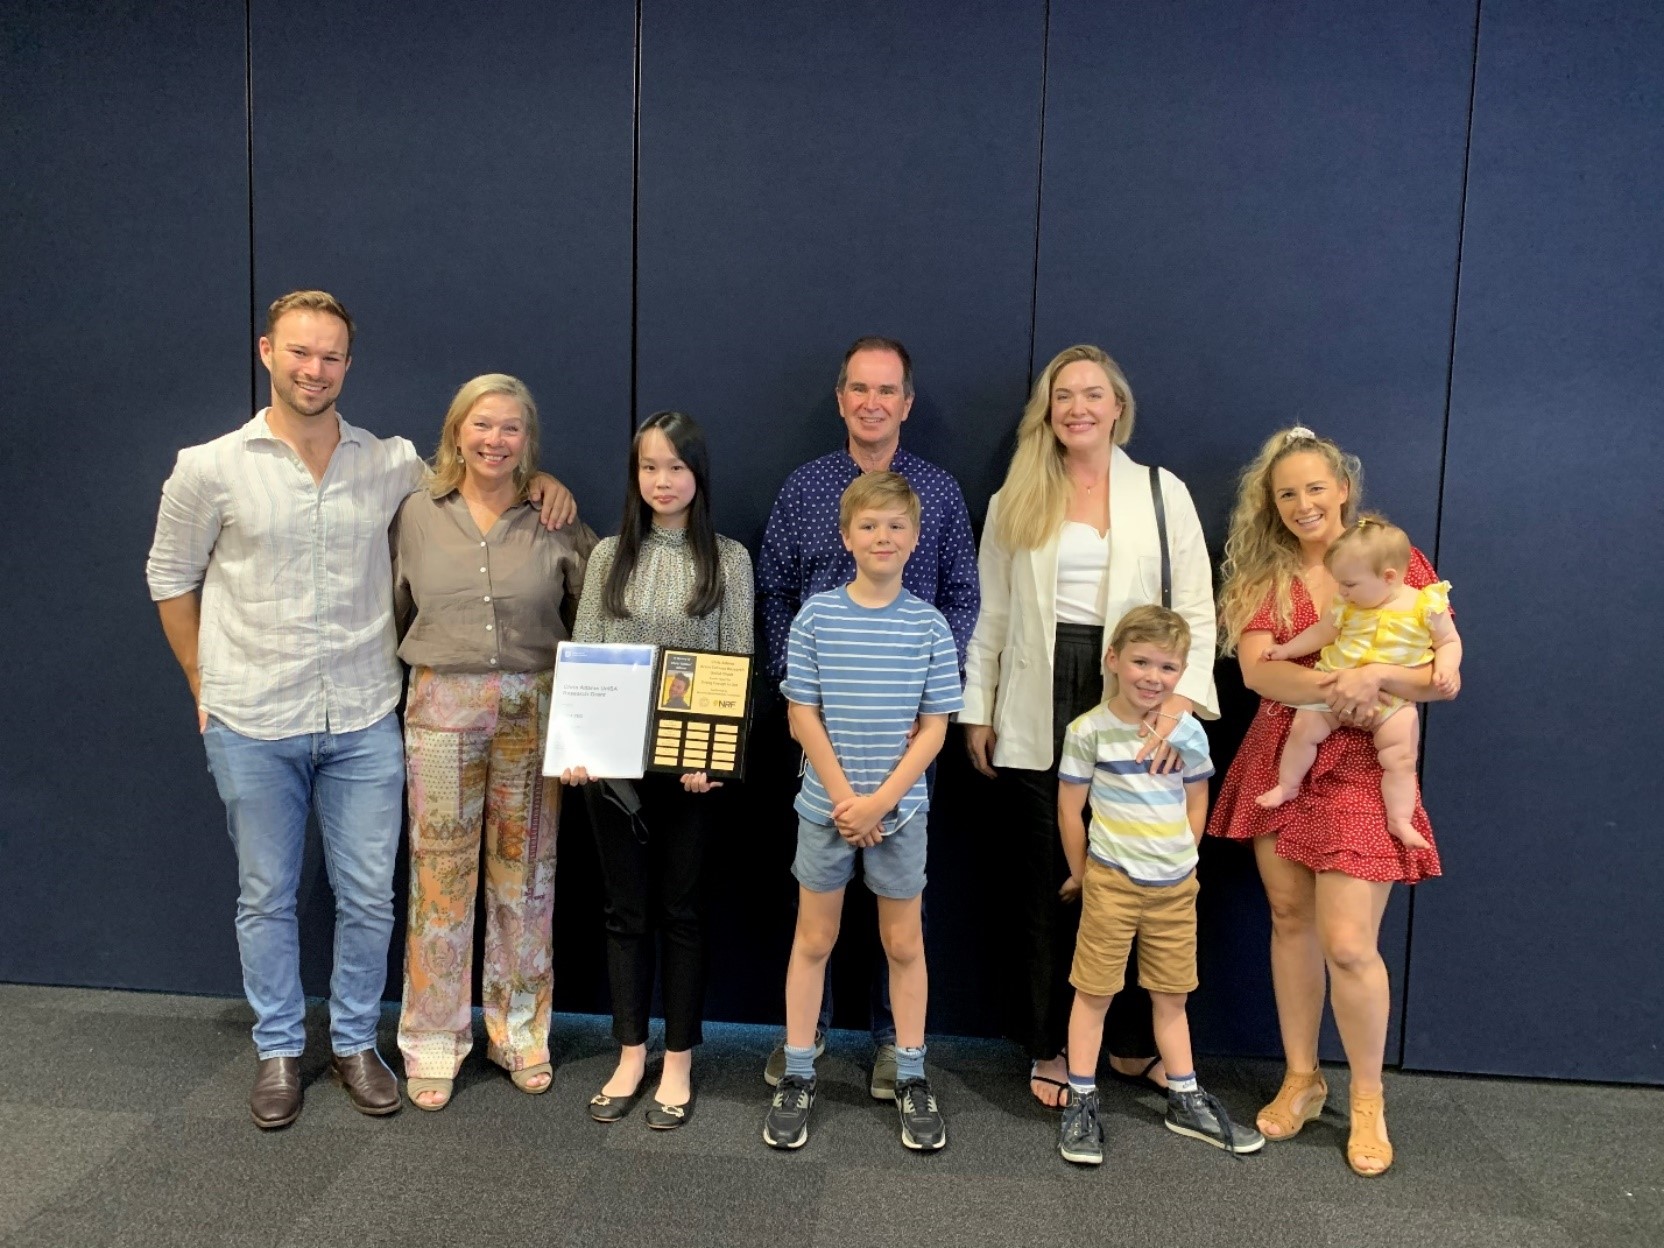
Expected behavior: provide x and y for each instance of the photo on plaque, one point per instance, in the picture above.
(702, 713)
(676, 685)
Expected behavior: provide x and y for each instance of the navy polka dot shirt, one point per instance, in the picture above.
(804, 555)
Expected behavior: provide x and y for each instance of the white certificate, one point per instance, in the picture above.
(598, 716)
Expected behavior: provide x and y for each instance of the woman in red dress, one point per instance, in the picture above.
(1326, 858)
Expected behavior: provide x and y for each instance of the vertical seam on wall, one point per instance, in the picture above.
(635, 218)
(1039, 187)
(248, 140)
(1456, 292)
(1444, 462)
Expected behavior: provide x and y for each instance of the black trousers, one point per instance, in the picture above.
(1048, 924)
(652, 868)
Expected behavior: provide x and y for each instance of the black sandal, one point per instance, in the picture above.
(1142, 1078)
(1034, 1078)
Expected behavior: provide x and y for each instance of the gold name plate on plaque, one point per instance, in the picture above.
(701, 713)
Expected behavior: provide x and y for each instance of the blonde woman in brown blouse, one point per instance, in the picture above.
(670, 579)
(482, 592)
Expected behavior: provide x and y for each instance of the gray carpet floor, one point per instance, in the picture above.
(123, 1121)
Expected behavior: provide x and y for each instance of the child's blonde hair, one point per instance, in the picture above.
(1378, 542)
(1156, 626)
(880, 491)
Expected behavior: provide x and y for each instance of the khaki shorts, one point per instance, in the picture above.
(1113, 910)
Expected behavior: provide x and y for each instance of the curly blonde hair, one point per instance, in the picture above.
(1260, 553)
(1036, 490)
(446, 471)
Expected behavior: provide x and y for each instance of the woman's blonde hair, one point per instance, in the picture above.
(447, 470)
(1260, 553)
(1036, 490)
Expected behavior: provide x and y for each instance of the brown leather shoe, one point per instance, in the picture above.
(371, 1087)
(275, 1101)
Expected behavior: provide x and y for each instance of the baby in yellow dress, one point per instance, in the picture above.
(1375, 618)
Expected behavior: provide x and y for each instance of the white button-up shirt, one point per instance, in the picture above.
(296, 577)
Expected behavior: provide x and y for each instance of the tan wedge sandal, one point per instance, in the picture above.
(1365, 1142)
(523, 1078)
(414, 1089)
(1294, 1105)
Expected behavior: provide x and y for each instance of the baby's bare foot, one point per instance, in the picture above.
(1275, 796)
(1406, 834)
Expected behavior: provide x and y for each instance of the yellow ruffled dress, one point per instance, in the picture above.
(1400, 636)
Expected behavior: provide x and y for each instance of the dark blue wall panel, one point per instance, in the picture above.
(465, 188)
(1255, 208)
(1539, 955)
(123, 335)
(812, 173)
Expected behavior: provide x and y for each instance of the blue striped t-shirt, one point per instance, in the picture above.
(872, 671)
(1140, 823)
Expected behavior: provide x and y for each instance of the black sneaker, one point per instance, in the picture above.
(922, 1127)
(1199, 1115)
(1081, 1137)
(787, 1124)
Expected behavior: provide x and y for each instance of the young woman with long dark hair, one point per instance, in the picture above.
(670, 579)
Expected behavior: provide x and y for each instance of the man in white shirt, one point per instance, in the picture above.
(271, 571)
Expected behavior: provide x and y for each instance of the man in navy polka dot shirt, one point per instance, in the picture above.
(803, 554)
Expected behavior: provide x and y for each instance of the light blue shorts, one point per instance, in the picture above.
(893, 868)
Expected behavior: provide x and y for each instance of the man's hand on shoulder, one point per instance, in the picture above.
(553, 500)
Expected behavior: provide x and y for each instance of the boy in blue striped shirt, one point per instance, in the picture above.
(866, 662)
(1136, 876)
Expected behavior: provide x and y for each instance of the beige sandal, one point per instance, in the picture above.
(1288, 1111)
(522, 1078)
(414, 1088)
(1365, 1143)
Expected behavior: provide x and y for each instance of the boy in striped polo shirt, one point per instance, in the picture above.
(1136, 876)
(866, 662)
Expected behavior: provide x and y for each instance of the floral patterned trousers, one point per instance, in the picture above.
(473, 758)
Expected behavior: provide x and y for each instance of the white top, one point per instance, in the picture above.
(1082, 573)
(296, 577)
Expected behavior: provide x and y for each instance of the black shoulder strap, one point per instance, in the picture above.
(1161, 532)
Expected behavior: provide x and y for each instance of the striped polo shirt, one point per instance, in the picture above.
(872, 671)
(1139, 825)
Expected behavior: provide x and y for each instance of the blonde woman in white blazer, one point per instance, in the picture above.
(1070, 545)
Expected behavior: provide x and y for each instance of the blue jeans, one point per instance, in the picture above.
(355, 780)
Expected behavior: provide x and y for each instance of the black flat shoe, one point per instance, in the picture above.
(604, 1108)
(662, 1117)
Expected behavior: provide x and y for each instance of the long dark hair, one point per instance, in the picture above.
(685, 435)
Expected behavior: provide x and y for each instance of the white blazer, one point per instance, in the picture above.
(1008, 665)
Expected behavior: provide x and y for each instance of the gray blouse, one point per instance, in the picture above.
(658, 593)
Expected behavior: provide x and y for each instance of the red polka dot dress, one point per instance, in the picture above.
(1337, 823)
